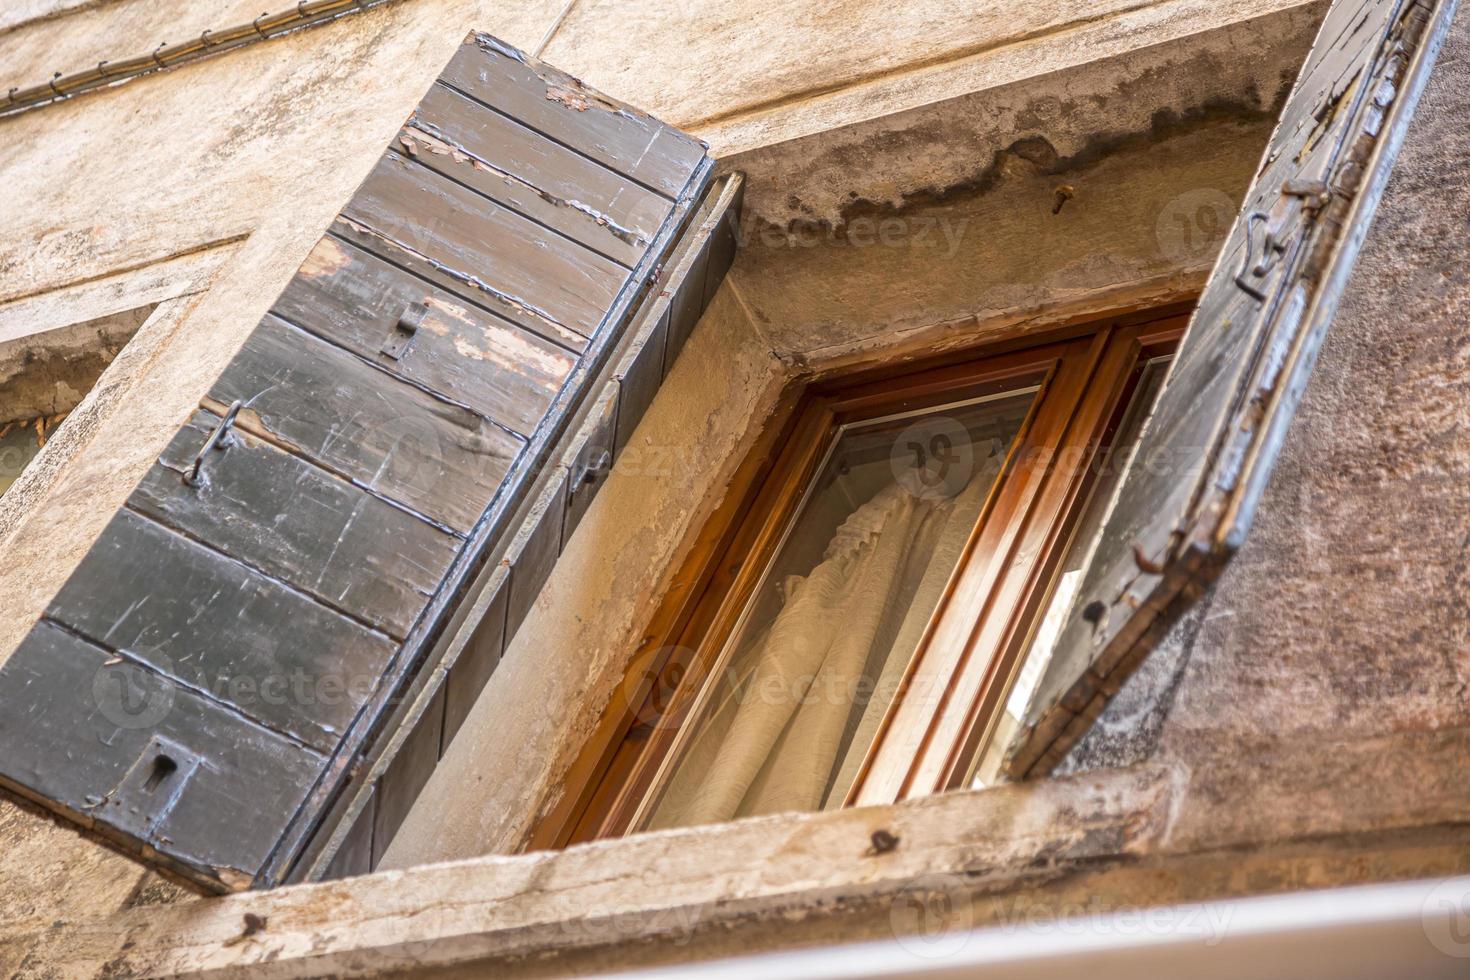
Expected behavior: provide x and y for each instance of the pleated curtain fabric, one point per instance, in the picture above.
(788, 728)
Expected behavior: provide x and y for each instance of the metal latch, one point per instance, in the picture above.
(596, 465)
(152, 787)
(403, 331)
(219, 439)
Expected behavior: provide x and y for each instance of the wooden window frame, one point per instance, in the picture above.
(925, 744)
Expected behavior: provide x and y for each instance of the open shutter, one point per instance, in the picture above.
(266, 606)
(1186, 502)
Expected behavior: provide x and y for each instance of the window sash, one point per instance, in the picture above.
(976, 637)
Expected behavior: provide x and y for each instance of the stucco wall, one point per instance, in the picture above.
(265, 143)
(1308, 726)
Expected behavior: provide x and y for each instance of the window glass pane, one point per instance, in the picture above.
(814, 662)
(1084, 541)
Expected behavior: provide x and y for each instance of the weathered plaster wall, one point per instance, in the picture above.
(872, 234)
(266, 142)
(1319, 736)
(1309, 729)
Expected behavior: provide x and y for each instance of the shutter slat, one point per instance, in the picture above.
(459, 351)
(214, 626)
(433, 457)
(639, 380)
(537, 553)
(534, 175)
(83, 729)
(471, 670)
(590, 462)
(465, 286)
(542, 278)
(1186, 502)
(562, 108)
(351, 550)
(401, 784)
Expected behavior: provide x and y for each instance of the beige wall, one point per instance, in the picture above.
(1311, 717)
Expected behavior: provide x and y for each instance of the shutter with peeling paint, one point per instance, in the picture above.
(1185, 505)
(434, 395)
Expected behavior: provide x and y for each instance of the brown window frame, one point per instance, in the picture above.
(924, 745)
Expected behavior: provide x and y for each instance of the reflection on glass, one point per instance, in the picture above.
(1084, 541)
(820, 649)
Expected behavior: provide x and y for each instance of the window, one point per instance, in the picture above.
(855, 636)
(46, 376)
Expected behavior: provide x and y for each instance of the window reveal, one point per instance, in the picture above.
(854, 640)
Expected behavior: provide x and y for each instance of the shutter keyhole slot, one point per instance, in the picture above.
(163, 768)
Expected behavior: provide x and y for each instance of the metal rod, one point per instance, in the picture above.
(306, 13)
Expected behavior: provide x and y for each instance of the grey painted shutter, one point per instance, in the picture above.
(251, 628)
(1187, 501)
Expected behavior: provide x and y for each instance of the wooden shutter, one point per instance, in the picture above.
(1186, 502)
(251, 624)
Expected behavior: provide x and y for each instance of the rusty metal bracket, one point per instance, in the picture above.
(404, 330)
(218, 439)
(1272, 250)
(1315, 194)
(595, 469)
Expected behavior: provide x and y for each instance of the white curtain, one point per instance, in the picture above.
(791, 729)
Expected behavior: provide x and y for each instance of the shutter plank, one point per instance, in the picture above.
(213, 624)
(405, 779)
(461, 352)
(470, 667)
(356, 854)
(591, 460)
(1185, 505)
(535, 551)
(561, 107)
(82, 729)
(480, 249)
(335, 541)
(534, 175)
(435, 458)
(639, 379)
